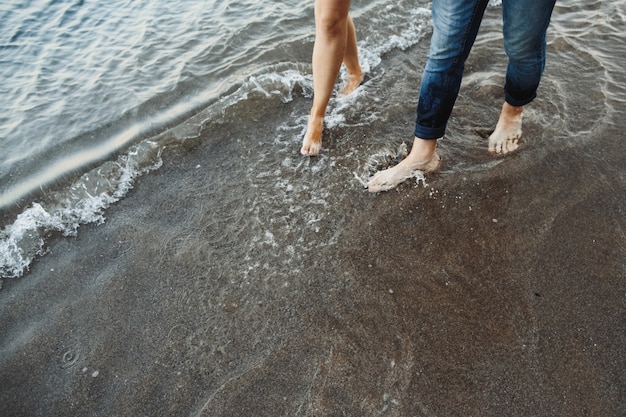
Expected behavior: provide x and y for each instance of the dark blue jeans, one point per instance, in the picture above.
(455, 25)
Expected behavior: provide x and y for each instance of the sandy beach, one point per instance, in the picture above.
(240, 279)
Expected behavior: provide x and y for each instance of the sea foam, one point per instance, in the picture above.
(83, 203)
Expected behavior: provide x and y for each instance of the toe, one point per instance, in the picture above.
(492, 144)
(376, 188)
(376, 183)
(310, 149)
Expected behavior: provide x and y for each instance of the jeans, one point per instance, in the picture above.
(455, 25)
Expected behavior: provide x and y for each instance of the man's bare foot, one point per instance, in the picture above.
(353, 82)
(312, 142)
(423, 157)
(508, 131)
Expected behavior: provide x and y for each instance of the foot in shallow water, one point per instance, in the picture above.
(508, 131)
(312, 142)
(353, 82)
(391, 177)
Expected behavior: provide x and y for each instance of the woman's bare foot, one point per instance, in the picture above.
(353, 82)
(508, 131)
(312, 142)
(423, 157)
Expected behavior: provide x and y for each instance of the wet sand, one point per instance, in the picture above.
(491, 293)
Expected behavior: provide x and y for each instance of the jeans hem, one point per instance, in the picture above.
(516, 102)
(428, 133)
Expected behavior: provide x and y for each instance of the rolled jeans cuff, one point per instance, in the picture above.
(429, 133)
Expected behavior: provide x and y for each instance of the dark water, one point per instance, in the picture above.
(231, 277)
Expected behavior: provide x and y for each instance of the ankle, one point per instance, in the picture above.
(355, 74)
(511, 111)
(315, 120)
(423, 149)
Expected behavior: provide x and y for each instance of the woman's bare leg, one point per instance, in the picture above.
(351, 61)
(335, 40)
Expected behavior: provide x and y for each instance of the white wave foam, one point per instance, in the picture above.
(85, 202)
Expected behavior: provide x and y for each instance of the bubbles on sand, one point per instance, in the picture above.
(69, 358)
(386, 158)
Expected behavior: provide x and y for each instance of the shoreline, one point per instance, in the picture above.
(240, 279)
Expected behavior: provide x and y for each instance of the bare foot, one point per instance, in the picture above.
(312, 142)
(353, 82)
(424, 159)
(508, 131)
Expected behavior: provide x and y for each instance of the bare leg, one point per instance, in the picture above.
(335, 40)
(351, 61)
(423, 157)
(508, 130)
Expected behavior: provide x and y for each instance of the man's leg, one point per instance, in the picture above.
(525, 23)
(455, 25)
(334, 38)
